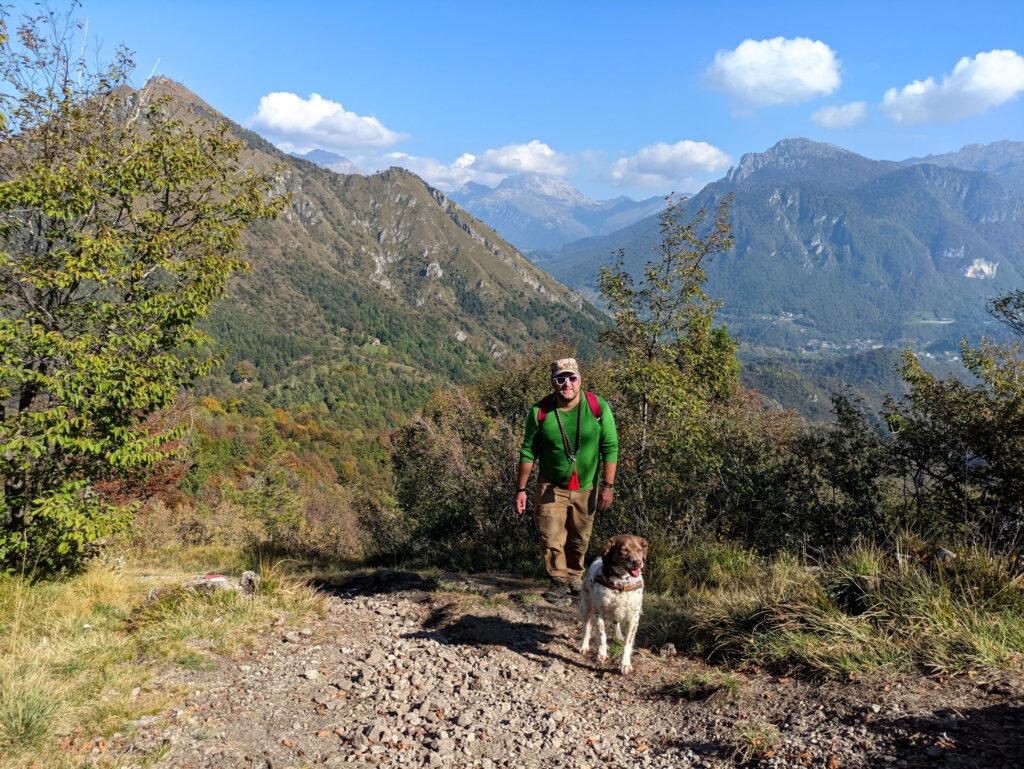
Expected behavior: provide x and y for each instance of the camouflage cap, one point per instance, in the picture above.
(565, 366)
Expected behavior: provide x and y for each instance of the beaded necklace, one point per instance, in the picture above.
(572, 451)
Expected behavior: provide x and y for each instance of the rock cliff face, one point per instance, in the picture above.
(834, 248)
(384, 256)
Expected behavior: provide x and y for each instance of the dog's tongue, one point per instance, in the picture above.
(634, 572)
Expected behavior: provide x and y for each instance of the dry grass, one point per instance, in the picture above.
(867, 609)
(77, 656)
(755, 741)
(711, 685)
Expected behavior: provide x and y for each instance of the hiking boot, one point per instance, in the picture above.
(575, 585)
(557, 592)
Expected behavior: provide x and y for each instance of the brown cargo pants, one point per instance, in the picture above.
(564, 520)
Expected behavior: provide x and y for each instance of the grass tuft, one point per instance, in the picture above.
(29, 708)
(712, 685)
(755, 740)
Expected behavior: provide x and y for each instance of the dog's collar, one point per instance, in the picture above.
(622, 587)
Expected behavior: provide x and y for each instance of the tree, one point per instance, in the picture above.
(244, 372)
(671, 361)
(120, 223)
(962, 445)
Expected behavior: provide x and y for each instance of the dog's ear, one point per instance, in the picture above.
(610, 545)
(643, 544)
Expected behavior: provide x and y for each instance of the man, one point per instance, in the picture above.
(570, 432)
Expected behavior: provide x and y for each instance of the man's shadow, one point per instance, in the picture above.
(530, 639)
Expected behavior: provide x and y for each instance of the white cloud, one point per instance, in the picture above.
(533, 157)
(842, 115)
(776, 71)
(489, 167)
(976, 84)
(446, 177)
(298, 124)
(658, 165)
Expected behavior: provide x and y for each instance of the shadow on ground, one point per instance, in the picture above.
(386, 581)
(450, 624)
(379, 582)
(989, 737)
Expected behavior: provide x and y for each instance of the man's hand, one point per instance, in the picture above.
(521, 502)
(604, 497)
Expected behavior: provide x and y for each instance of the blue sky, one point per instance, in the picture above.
(618, 98)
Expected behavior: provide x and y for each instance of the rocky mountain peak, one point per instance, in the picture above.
(332, 161)
(538, 211)
(542, 185)
(788, 155)
(800, 160)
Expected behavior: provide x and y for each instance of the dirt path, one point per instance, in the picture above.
(407, 672)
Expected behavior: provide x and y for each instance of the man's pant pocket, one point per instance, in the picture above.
(550, 520)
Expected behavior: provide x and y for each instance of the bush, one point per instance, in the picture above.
(454, 481)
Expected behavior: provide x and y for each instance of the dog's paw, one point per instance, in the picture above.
(602, 658)
(585, 651)
(625, 669)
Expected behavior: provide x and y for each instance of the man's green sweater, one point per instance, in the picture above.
(598, 441)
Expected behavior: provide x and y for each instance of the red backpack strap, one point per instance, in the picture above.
(545, 405)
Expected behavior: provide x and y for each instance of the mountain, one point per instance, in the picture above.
(837, 251)
(371, 290)
(332, 161)
(1004, 160)
(537, 211)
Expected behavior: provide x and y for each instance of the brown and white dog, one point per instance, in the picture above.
(613, 593)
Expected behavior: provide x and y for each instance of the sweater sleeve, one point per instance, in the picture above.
(609, 435)
(526, 453)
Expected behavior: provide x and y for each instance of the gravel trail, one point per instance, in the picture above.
(476, 672)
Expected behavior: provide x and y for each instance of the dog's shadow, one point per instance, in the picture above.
(530, 639)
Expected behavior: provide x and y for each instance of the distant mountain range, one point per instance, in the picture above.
(536, 211)
(369, 291)
(834, 249)
(332, 161)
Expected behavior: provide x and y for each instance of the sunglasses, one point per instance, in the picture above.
(561, 379)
